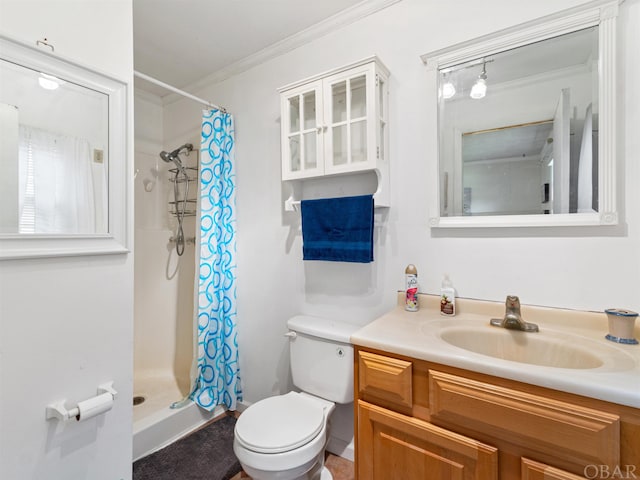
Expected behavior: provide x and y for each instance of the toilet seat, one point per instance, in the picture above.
(280, 424)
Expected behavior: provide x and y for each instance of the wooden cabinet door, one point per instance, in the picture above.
(392, 446)
(532, 470)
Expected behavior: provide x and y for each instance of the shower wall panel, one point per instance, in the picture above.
(163, 282)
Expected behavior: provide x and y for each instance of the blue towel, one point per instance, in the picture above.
(338, 229)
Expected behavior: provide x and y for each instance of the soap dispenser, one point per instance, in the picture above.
(447, 298)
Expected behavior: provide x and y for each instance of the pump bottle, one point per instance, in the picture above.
(447, 298)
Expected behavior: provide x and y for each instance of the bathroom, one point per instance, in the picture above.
(89, 337)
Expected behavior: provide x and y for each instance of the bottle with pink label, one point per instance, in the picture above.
(411, 289)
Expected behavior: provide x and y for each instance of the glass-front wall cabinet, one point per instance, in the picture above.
(335, 123)
(348, 121)
(302, 115)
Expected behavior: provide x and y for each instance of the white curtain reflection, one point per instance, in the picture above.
(585, 167)
(57, 183)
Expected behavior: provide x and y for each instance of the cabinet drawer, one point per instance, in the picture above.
(580, 435)
(384, 378)
(532, 470)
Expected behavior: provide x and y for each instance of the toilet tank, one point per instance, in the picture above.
(322, 357)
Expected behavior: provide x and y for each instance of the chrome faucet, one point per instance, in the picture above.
(513, 318)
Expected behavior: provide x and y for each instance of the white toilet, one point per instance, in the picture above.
(283, 437)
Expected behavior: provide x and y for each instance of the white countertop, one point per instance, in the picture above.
(417, 335)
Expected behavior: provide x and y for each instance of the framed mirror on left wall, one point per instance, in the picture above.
(63, 155)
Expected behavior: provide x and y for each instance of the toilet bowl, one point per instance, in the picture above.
(283, 437)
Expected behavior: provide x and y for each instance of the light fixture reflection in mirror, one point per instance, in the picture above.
(448, 89)
(48, 82)
(479, 89)
(541, 110)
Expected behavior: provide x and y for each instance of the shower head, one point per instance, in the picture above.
(166, 156)
(170, 157)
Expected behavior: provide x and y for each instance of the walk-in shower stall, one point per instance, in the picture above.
(166, 191)
(184, 268)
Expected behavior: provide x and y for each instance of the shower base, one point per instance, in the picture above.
(155, 425)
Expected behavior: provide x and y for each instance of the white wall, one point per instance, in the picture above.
(583, 268)
(66, 323)
(505, 186)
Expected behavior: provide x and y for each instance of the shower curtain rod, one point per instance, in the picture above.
(177, 90)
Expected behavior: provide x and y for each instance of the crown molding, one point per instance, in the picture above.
(148, 96)
(329, 25)
(558, 23)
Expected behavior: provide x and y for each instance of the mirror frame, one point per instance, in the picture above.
(599, 13)
(115, 241)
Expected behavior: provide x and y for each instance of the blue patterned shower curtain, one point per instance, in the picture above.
(218, 374)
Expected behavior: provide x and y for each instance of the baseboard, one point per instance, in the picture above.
(339, 447)
(242, 406)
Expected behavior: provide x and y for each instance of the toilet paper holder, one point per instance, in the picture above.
(103, 404)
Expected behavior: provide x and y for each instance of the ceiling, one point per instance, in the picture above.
(522, 142)
(182, 41)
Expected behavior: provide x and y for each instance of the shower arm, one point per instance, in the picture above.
(187, 146)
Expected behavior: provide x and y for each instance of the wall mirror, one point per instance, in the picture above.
(526, 121)
(62, 155)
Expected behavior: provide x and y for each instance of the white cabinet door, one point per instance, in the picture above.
(302, 146)
(349, 113)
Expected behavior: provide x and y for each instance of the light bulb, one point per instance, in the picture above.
(448, 90)
(48, 82)
(479, 89)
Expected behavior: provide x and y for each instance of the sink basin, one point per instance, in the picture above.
(545, 348)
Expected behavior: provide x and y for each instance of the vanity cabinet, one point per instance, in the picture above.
(335, 123)
(416, 419)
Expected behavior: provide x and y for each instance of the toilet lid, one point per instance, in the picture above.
(279, 424)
